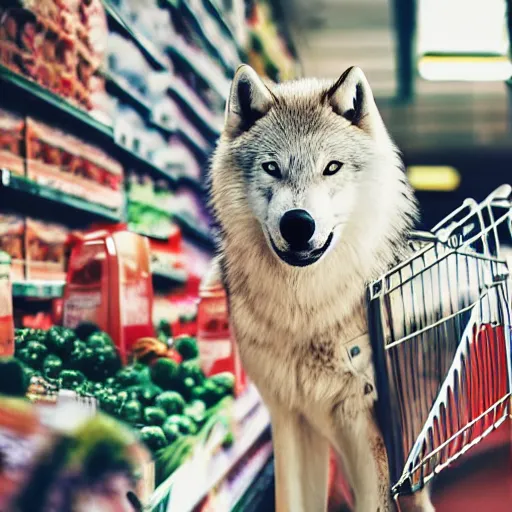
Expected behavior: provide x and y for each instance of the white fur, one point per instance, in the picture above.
(296, 326)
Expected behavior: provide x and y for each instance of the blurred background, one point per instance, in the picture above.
(109, 113)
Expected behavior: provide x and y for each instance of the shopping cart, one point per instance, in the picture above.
(440, 326)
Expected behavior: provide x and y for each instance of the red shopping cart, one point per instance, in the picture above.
(440, 325)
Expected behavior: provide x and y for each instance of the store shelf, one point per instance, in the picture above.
(14, 182)
(26, 93)
(38, 289)
(118, 88)
(149, 50)
(194, 233)
(195, 109)
(141, 164)
(169, 276)
(206, 474)
(211, 47)
(210, 74)
(211, 6)
(191, 183)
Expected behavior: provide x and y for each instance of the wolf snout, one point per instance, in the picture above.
(297, 227)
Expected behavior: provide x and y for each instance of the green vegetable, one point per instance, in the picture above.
(171, 402)
(154, 416)
(153, 437)
(13, 380)
(71, 379)
(185, 425)
(225, 381)
(187, 387)
(196, 411)
(193, 370)
(109, 403)
(60, 341)
(212, 393)
(52, 366)
(99, 339)
(149, 394)
(128, 376)
(96, 362)
(172, 431)
(164, 373)
(187, 347)
(173, 456)
(33, 354)
(131, 411)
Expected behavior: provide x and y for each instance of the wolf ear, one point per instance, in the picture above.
(351, 97)
(249, 100)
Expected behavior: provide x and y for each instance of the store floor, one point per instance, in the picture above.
(480, 482)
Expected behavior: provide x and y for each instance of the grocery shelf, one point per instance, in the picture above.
(257, 494)
(212, 7)
(139, 163)
(117, 87)
(192, 183)
(212, 75)
(212, 48)
(149, 50)
(21, 184)
(195, 109)
(169, 275)
(193, 232)
(38, 289)
(207, 474)
(27, 93)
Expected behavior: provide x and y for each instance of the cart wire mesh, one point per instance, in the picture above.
(440, 326)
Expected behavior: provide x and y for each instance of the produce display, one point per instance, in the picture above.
(163, 394)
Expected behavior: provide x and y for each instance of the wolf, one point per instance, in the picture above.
(311, 203)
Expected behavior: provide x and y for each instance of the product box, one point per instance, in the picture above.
(45, 250)
(217, 348)
(12, 142)
(65, 163)
(12, 241)
(109, 283)
(6, 318)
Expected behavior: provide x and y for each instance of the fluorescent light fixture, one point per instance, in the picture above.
(463, 40)
(458, 68)
(433, 178)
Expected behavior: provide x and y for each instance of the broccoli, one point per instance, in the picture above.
(171, 402)
(97, 363)
(131, 411)
(154, 416)
(71, 379)
(164, 373)
(171, 431)
(33, 354)
(153, 437)
(60, 341)
(187, 347)
(225, 381)
(191, 369)
(128, 376)
(52, 366)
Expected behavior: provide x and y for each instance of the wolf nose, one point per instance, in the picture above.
(297, 228)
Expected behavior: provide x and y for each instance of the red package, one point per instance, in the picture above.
(6, 320)
(217, 349)
(109, 283)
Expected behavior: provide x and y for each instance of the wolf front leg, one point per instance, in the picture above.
(361, 448)
(301, 458)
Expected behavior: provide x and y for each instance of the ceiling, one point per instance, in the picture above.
(331, 35)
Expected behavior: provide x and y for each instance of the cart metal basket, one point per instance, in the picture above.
(440, 325)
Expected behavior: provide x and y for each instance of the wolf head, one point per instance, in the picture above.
(307, 168)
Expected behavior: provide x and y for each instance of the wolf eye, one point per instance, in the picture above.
(271, 168)
(332, 168)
